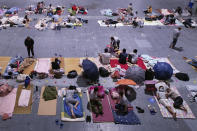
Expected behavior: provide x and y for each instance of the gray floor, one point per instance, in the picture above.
(92, 38)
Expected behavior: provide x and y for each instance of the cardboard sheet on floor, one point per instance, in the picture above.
(72, 64)
(43, 65)
(3, 63)
(46, 107)
(180, 113)
(19, 109)
(128, 119)
(7, 103)
(107, 112)
(29, 69)
(114, 62)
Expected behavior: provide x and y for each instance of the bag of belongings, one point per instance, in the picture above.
(50, 93)
(5, 89)
(72, 74)
(103, 72)
(21, 78)
(42, 75)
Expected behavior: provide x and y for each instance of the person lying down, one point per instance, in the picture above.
(70, 101)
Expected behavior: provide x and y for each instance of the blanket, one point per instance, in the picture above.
(7, 103)
(128, 119)
(179, 113)
(66, 114)
(27, 66)
(22, 100)
(12, 68)
(140, 63)
(114, 62)
(150, 61)
(165, 12)
(107, 112)
(43, 65)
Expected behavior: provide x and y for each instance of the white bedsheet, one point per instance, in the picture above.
(24, 98)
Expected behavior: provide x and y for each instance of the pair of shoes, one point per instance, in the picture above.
(88, 118)
(139, 110)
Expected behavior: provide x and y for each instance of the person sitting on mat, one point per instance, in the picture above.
(178, 100)
(56, 64)
(123, 57)
(164, 101)
(95, 102)
(70, 100)
(132, 57)
(122, 105)
(105, 57)
(148, 10)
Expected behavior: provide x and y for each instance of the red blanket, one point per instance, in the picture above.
(140, 63)
(114, 63)
(107, 112)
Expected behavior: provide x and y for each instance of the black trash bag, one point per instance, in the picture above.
(103, 72)
(149, 74)
(182, 76)
(72, 74)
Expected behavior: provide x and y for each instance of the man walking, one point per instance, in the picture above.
(176, 35)
(29, 43)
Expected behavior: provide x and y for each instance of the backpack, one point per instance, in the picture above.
(103, 72)
(72, 74)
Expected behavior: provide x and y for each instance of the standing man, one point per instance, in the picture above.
(29, 43)
(176, 35)
(115, 42)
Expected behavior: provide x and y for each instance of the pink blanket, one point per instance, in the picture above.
(43, 65)
(7, 103)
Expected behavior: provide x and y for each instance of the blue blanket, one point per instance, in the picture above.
(10, 69)
(79, 111)
(128, 119)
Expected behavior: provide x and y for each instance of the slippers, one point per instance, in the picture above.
(61, 125)
(152, 110)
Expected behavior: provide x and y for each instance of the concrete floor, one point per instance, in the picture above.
(92, 38)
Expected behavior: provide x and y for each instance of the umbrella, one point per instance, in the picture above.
(90, 70)
(163, 71)
(130, 93)
(126, 82)
(136, 74)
